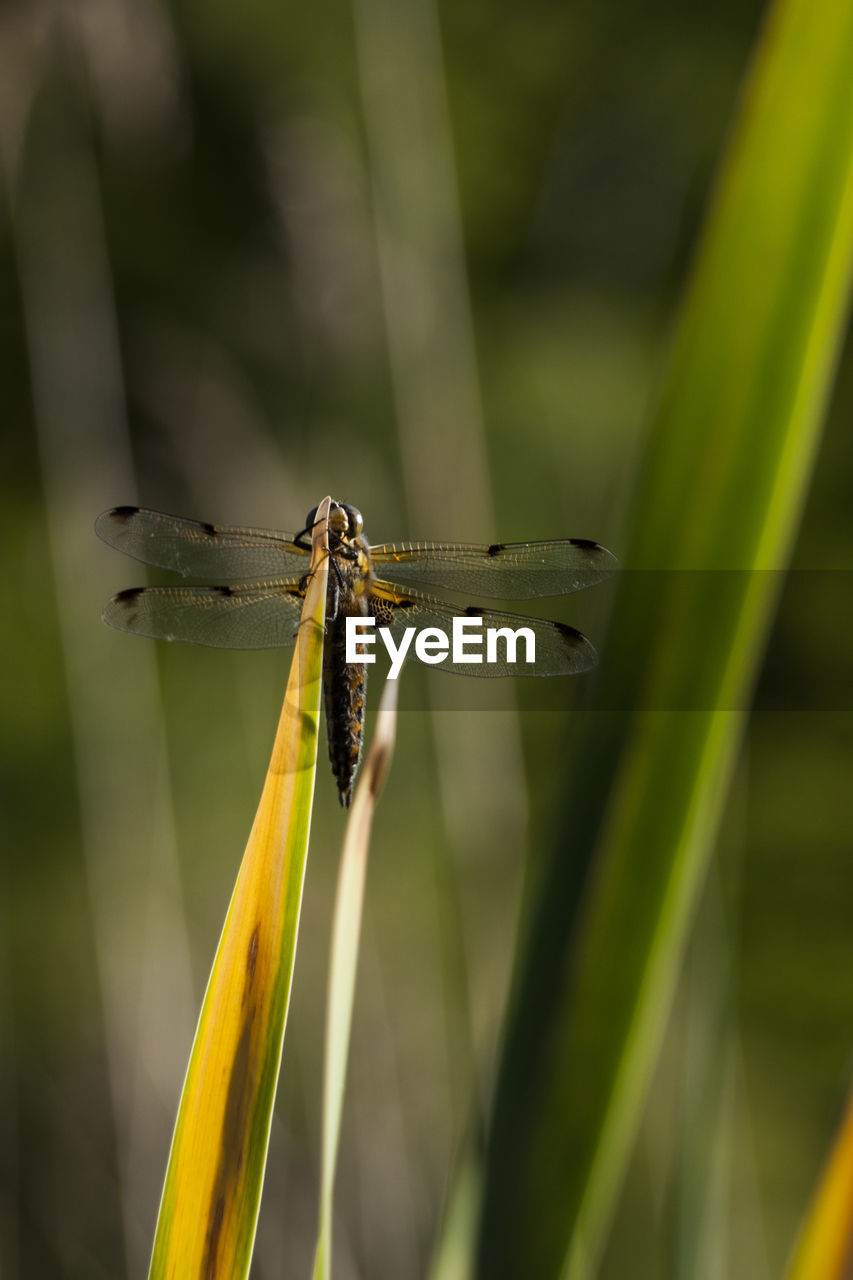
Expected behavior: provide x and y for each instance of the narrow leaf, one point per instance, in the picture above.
(211, 1196)
(724, 479)
(346, 929)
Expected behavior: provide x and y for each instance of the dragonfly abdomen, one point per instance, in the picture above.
(344, 686)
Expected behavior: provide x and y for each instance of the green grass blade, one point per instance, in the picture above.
(724, 479)
(211, 1196)
(346, 929)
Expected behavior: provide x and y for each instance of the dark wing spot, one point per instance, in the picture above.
(125, 599)
(571, 635)
(124, 513)
(210, 529)
(474, 611)
(223, 591)
(577, 643)
(496, 548)
(575, 640)
(587, 544)
(383, 606)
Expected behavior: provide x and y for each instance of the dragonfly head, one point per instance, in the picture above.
(344, 520)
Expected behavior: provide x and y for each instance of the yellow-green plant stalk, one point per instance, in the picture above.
(825, 1247)
(717, 504)
(346, 928)
(211, 1196)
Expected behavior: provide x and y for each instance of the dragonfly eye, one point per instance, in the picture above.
(310, 518)
(356, 520)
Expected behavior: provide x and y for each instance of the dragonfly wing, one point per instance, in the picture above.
(191, 547)
(259, 615)
(558, 650)
(503, 571)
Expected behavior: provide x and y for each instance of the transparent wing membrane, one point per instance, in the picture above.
(263, 615)
(261, 609)
(195, 549)
(504, 571)
(559, 650)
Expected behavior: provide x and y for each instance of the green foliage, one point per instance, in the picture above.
(719, 495)
(193, 315)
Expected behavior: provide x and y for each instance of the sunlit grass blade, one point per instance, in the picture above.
(825, 1246)
(211, 1195)
(724, 479)
(346, 928)
(452, 1259)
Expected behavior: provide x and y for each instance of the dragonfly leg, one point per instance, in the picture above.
(345, 554)
(303, 538)
(333, 600)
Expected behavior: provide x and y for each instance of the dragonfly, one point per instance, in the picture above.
(254, 583)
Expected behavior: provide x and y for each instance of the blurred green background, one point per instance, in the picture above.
(425, 260)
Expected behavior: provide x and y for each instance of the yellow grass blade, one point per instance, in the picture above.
(209, 1209)
(825, 1247)
(344, 958)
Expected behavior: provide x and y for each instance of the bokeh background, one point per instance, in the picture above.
(426, 259)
